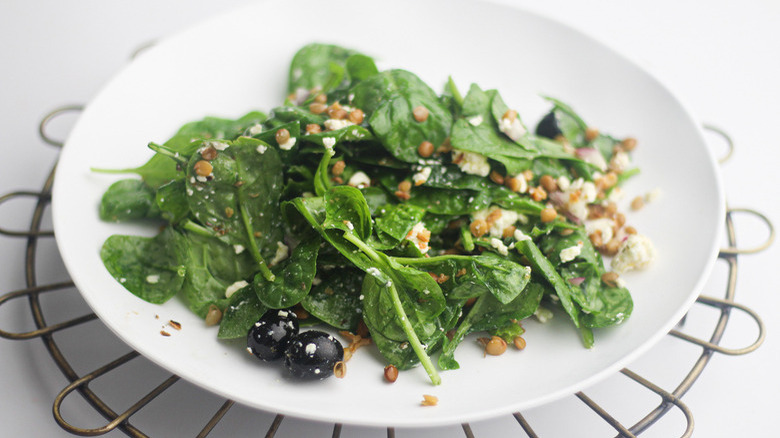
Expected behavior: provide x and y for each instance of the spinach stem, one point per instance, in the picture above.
(161, 149)
(454, 91)
(253, 248)
(411, 335)
(191, 226)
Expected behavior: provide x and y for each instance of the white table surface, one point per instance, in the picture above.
(720, 57)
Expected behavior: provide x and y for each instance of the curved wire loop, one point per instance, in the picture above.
(726, 137)
(733, 250)
(52, 115)
(42, 197)
(727, 306)
(48, 329)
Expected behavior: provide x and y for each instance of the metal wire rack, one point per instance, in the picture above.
(80, 383)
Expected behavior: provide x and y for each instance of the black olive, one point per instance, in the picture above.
(269, 337)
(548, 126)
(313, 354)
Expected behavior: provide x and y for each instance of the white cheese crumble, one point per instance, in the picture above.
(604, 225)
(513, 129)
(620, 161)
(218, 145)
(261, 148)
(543, 314)
(414, 236)
(499, 246)
(360, 180)
(288, 144)
(520, 236)
(570, 253)
(475, 121)
(334, 124)
(636, 252)
(256, 129)
(238, 248)
(421, 176)
(311, 348)
(500, 219)
(235, 287)
(472, 163)
(281, 253)
(152, 279)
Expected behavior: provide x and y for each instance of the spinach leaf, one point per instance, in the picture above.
(171, 199)
(346, 209)
(312, 67)
(396, 220)
(336, 301)
(388, 99)
(360, 67)
(243, 310)
(150, 268)
(128, 199)
(487, 313)
(293, 276)
(239, 200)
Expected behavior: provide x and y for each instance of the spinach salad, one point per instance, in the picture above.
(368, 202)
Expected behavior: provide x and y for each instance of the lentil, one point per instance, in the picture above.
(321, 98)
(282, 136)
(637, 203)
(391, 373)
(519, 342)
(203, 168)
(629, 144)
(425, 149)
(496, 346)
(338, 168)
(318, 108)
(356, 116)
(510, 114)
(313, 128)
(405, 186)
(420, 113)
(214, 315)
(209, 153)
(548, 214)
(548, 183)
(610, 278)
(497, 178)
(591, 134)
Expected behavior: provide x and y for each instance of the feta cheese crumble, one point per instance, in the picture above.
(475, 121)
(360, 180)
(512, 127)
(282, 251)
(499, 246)
(261, 148)
(238, 248)
(471, 163)
(334, 124)
(235, 287)
(497, 218)
(636, 252)
(288, 144)
(421, 176)
(570, 253)
(419, 236)
(152, 279)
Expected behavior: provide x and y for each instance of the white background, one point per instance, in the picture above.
(719, 57)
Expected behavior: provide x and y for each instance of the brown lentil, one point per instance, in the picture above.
(610, 278)
(229, 212)
(425, 149)
(338, 113)
(420, 113)
(629, 144)
(203, 168)
(430, 400)
(528, 174)
(405, 186)
(519, 342)
(596, 239)
(637, 203)
(356, 116)
(493, 216)
(630, 230)
(404, 196)
(548, 214)
(391, 373)
(566, 232)
(611, 248)
(496, 346)
(313, 128)
(508, 232)
(209, 153)
(318, 108)
(213, 316)
(497, 178)
(514, 184)
(591, 134)
(538, 194)
(338, 168)
(321, 98)
(620, 220)
(282, 136)
(340, 369)
(548, 183)
(610, 209)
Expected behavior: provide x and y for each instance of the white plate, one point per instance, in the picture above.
(238, 62)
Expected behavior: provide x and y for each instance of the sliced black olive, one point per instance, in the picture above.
(313, 354)
(548, 126)
(269, 337)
